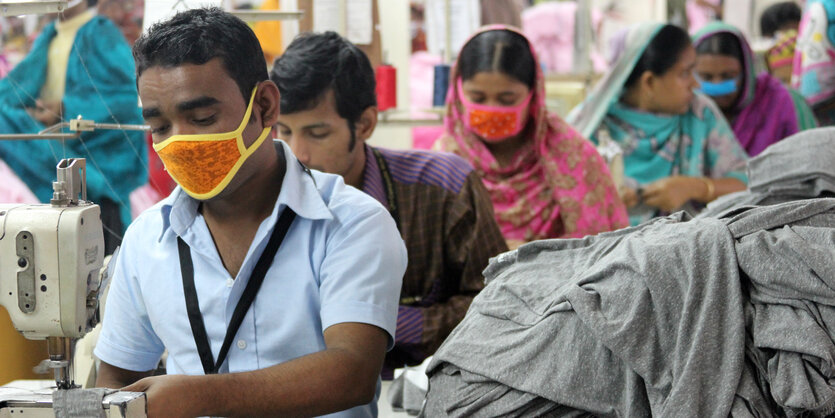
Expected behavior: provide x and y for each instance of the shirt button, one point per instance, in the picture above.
(230, 282)
(241, 344)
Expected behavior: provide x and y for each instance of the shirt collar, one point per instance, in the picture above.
(372, 180)
(298, 191)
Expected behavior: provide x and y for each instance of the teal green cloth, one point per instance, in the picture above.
(587, 116)
(698, 143)
(805, 115)
(100, 86)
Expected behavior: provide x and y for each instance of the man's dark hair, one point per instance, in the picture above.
(199, 35)
(315, 63)
(777, 16)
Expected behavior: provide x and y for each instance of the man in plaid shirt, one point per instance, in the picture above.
(442, 209)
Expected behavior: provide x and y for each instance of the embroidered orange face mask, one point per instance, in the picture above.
(493, 123)
(203, 165)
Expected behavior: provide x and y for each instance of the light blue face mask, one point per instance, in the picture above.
(721, 88)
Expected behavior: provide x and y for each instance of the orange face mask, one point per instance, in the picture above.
(203, 165)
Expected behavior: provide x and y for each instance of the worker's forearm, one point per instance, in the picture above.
(110, 383)
(721, 187)
(115, 378)
(316, 384)
(728, 185)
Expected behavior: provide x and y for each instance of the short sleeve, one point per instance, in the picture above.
(362, 272)
(127, 339)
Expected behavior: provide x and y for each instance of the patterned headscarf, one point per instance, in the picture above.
(766, 110)
(556, 186)
(782, 53)
(814, 60)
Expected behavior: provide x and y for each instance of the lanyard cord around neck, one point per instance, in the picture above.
(195, 318)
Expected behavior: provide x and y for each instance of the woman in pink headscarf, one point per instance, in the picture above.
(545, 180)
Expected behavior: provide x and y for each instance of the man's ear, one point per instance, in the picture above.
(366, 124)
(267, 98)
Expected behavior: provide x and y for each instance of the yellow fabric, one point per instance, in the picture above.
(19, 354)
(782, 53)
(203, 165)
(59, 55)
(269, 33)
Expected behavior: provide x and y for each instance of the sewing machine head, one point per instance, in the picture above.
(50, 261)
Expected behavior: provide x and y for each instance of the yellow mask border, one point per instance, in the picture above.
(215, 137)
(234, 170)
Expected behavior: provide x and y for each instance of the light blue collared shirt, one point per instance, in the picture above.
(342, 261)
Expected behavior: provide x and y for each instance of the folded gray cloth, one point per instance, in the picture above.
(791, 275)
(486, 398)
(408, 389)
(79, 403)
(801, 166)
(709, 317)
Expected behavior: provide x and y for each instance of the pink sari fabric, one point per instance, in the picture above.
(13, 190)
(557, 185)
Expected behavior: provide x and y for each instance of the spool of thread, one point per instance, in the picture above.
(386, 87)
(440, 85)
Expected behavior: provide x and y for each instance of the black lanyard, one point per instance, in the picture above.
(198, 329)
(391, 194)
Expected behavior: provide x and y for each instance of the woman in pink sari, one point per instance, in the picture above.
(545, 180)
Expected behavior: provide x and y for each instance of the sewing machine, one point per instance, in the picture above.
(51, 258)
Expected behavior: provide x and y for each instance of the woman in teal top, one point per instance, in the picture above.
(100, 85)
(679, 151)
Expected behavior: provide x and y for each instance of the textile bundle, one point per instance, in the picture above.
(725, 315)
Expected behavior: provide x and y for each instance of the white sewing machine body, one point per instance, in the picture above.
(49, 258)
(51, 277)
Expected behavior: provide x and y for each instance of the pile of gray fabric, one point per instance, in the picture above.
(709, 317)
(801, 166)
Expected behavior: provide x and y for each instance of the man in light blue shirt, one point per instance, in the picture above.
(313, 339)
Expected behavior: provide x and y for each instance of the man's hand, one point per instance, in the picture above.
(672, 193)
(342, 376)
(169, 396)
(47, 113)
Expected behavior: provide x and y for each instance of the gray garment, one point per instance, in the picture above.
(654, 320)
(791, 271)
(405, 396)
(79, 403)
(485, 398)
(801, 166)
(627, 309)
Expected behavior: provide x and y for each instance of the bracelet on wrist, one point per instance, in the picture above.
(711, 189)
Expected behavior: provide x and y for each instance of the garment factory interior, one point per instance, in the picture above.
(501, 208)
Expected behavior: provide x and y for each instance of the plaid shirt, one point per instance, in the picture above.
(445, 217)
